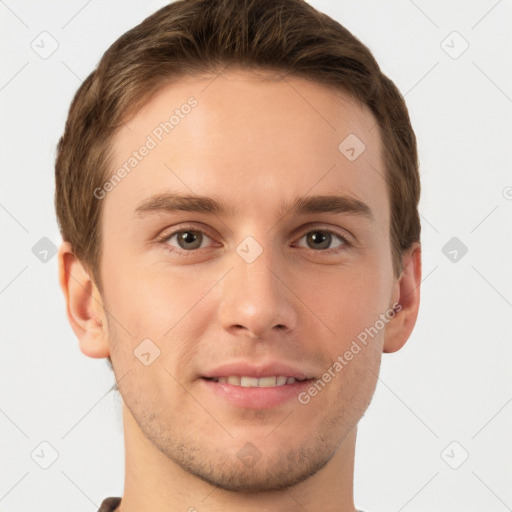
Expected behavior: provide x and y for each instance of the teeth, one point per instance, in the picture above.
(254, 382)
(267, 382)
(249, 382)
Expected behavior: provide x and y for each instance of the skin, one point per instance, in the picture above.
(256, 144)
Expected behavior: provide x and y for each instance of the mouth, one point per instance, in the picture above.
(243, 392)
(255, 382)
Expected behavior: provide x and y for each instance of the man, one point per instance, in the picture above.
(237, 191)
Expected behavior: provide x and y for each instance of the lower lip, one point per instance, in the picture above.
(256, 398)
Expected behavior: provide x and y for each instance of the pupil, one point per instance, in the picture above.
(188, 237)
(320, 239)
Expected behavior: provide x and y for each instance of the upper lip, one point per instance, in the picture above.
(270, 369)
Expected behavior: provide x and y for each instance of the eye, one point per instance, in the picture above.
(186, 240)
(321, 239)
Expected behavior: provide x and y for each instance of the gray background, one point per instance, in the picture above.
(446, 395)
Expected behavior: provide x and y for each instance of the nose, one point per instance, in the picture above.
(257, 299)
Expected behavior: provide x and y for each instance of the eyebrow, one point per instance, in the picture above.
(169, 203)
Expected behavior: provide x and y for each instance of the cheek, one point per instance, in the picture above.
(160, 304)
(150, 334)
(345, 300)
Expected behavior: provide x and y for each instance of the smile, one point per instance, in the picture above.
(255, 382)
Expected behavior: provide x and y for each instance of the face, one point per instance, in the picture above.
(253, 288)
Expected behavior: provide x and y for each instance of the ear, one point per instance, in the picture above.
(84, 305)
(407, 294)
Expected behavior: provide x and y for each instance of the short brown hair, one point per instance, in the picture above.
(190, 37)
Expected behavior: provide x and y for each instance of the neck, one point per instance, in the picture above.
(154, 482)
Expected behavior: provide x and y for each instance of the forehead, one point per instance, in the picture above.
(254, 142)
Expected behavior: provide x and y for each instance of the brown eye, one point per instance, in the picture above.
(187, 240)
(322, 239)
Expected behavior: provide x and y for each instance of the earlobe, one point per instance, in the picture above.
(400, 327)
(84, 305)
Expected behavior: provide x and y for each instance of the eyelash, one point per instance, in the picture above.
(164, 239)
